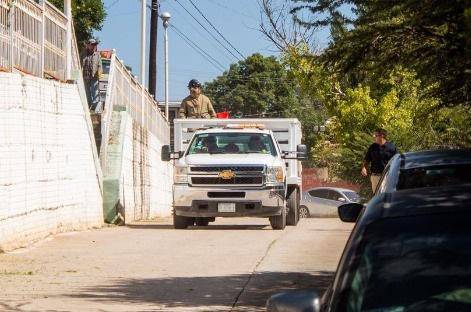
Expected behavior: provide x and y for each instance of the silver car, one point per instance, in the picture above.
(323, 201)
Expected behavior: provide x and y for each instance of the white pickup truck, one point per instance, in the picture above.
(236, 168)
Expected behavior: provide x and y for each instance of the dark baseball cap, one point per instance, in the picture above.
(194, 83)
(92, 41)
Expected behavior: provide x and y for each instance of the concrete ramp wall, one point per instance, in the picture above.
(49, 176)
(137, 184)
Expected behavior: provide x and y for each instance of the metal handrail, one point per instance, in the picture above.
(125, 92)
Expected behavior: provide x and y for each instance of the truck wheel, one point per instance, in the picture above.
(293, 204)
(278, 222)
(202, 222)
(180, 222)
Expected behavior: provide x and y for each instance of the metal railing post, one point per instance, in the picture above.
(42, 41)
(11, 20)
(68, 38)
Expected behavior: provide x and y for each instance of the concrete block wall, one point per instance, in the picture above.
(49, 181)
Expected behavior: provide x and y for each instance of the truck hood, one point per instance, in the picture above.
(231, 159)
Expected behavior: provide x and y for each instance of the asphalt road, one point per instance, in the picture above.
(231, 265)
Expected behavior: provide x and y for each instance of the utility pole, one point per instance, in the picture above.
(154, 16)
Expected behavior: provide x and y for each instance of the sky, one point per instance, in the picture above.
(237, 20)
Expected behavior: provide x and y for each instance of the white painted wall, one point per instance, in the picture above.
(49, 181)
(158, 176)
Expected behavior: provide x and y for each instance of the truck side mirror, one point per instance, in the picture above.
(301, 151)
(165, 153)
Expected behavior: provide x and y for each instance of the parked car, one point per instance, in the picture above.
(409, 250)
(426, 169)
(323, 201)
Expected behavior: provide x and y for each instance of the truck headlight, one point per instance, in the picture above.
(275, 174)
(180, 175)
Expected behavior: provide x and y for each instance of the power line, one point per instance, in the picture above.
(233, 10)
(222, 36)
(112, 4)
(203, 35)
(203, 53)
(214, 37)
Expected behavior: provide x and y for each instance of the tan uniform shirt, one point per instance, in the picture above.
(199, 107)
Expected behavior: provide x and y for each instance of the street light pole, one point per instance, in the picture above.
(143, 59)
(143, 42)
(165, 21)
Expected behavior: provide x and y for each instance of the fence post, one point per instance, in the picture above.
(68, 38)
(42, 40)
(11, 20)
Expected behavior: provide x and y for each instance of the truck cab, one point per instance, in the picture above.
(229, 169)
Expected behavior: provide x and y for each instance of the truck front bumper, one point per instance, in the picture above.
(203, 202)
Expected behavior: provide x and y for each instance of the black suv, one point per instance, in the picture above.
(411, 247)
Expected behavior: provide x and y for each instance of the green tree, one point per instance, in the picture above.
(257, 86)
(400, 65)
(267, 87)
(429, 37)
(88, 17)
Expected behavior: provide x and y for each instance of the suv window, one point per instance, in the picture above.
(434, 176)
(322, 193)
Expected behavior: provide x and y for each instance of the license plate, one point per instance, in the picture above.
(226, 207)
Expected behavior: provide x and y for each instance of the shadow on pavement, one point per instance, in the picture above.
(246, 227)
(250, 291)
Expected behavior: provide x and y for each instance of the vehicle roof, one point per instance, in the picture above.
(436, 158)
(245, 130)
(330, 188)
(419, 201)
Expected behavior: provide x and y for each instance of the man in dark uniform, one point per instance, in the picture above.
(378, 155)
(196, 105)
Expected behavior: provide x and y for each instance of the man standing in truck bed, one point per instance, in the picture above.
(196, 105)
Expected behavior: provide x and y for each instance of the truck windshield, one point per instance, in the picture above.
(232, 143)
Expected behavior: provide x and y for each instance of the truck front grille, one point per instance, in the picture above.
(219, 181)
(232, 168)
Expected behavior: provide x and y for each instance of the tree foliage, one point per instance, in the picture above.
(429, 37)
(400, 104)
(265, 87)
(257, 86)
(399, 65)
(88, 16)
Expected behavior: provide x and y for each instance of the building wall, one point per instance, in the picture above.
(49, 177)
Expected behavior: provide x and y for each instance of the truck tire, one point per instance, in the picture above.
(202, 222)
(180, 222)
(278, 222)
(293, 204)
